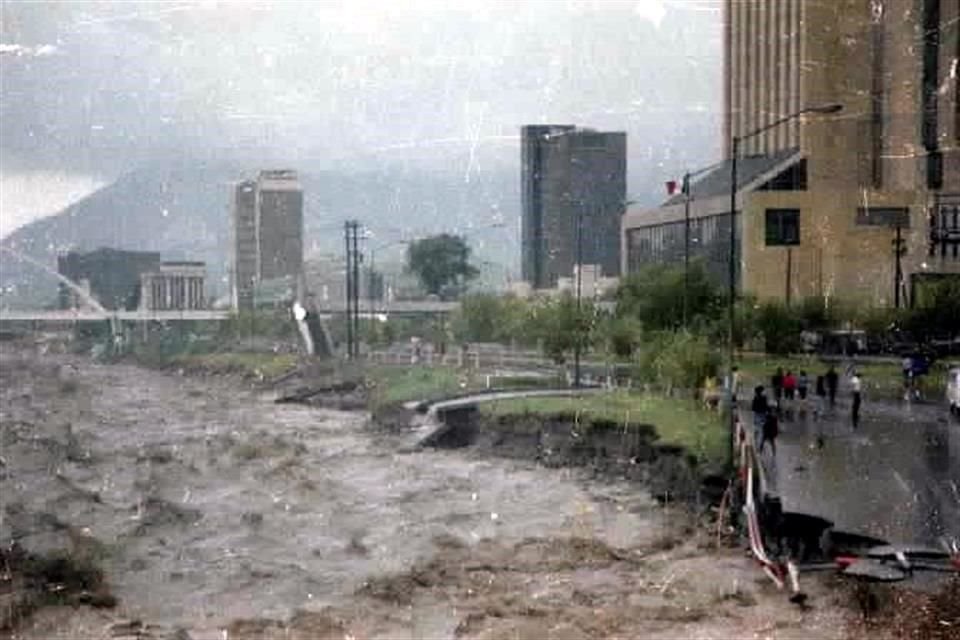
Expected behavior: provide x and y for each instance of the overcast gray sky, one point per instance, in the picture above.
(90, 89)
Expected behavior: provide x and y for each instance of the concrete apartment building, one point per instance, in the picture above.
(568, 173)
(267, 229)
(823, 198)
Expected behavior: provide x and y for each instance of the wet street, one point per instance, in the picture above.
(897, 476)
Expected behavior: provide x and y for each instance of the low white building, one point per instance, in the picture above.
(593, 284)
(175, 286)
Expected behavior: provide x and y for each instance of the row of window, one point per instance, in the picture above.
(662, 243)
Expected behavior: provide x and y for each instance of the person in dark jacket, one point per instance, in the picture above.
(760, 408)
(803, 383)
(832, 380)
(777, 383)
(771, 429)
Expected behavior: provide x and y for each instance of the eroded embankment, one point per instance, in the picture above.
(612, 450)
(212, 509)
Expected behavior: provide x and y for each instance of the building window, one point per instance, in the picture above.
(783, 227)
(945, 229)
(883, 216)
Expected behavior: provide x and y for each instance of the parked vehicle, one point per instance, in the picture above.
(843, 342)
(953, 389)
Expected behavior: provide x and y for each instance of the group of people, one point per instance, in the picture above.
(787, 386)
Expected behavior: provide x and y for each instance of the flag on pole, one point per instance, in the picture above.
(675, 187)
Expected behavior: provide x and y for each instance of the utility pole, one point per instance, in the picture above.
(899, 250)
(578, 337)
(356, 289)
(371, 289)
(788, 284)
(349, 286)
(686, 246)
(351, 242)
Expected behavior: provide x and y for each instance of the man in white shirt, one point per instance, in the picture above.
(856, 387)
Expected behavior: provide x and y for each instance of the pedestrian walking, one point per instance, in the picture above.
(820, 407)
(760, 407)
(802, 384)
(771, 429)
(856, 387)
(832, 380)
(777, 383)
(789, 385)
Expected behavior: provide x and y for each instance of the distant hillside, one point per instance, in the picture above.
(183, 212)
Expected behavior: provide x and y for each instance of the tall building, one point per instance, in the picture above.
(267, 233)
(862, 204)
(571, 174)
(244, 273)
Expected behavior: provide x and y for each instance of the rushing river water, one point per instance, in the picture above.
(209, 502)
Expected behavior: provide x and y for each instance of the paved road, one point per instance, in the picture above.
(897, 476)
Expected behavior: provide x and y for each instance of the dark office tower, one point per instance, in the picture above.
(279, 225)
(571, 175)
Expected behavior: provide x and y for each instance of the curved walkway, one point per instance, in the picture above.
(459, 402)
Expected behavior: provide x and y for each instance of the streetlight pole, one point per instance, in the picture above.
(899, 250)
(579, 328)
(686, 246)
(732, 262)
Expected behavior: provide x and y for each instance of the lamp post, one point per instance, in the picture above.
(732, 263)
(579, 332)
(687, 199)
(899, 250)
(372, 273)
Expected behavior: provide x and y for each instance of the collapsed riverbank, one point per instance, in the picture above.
(209, 508)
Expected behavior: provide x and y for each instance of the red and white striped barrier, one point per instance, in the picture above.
(750, 470)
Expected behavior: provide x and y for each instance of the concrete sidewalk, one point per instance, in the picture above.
(896, 477)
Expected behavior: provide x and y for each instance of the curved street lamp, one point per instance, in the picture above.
(732, 264)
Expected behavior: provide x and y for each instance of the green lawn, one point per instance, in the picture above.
(258, 365)
(884, 378)
(402, 383)
(680, 422)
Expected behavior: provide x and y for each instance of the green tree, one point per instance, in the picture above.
(621, 335)
(780, 327)
(936, 311)
(655, 296)
(676, 360)
(478, 318)
(558, 326)
(485, 317)
(440, 262)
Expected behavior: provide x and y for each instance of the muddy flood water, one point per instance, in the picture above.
(216, 513)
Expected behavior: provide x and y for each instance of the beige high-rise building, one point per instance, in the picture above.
(824, 198)
(267, 233)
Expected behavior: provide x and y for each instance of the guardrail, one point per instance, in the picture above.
(8, 315)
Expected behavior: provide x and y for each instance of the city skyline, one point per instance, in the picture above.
(312, 84)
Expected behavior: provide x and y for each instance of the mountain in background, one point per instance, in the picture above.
(183, 211)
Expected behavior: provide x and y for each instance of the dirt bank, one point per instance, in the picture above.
(212, 512)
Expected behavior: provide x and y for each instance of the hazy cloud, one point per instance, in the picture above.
(140, 82)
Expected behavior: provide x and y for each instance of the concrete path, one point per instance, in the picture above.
(493, 396)
(896, 477)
